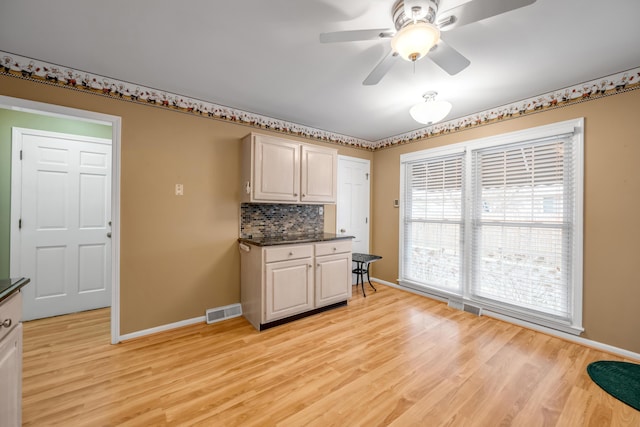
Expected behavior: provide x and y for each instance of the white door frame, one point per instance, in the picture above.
(52, 110)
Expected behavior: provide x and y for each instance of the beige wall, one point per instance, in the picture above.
(611, 209)
(178, 254)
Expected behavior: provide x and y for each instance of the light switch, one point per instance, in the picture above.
(179, 190)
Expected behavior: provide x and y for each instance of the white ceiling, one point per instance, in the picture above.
(264, 57)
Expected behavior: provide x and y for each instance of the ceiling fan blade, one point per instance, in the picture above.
(448, 58)
(477, 10)
(381, 69)
(355, 35)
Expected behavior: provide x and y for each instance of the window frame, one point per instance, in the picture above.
(575, 127)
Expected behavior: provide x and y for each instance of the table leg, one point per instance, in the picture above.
(361, 275)
(359, 272)
(369, 279)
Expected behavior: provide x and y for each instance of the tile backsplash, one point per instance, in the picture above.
(259, 220)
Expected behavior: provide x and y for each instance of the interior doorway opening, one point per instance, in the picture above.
(10, 108)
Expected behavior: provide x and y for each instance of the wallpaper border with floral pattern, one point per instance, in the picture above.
(44, 72)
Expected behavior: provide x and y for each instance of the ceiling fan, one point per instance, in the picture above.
(418, 24)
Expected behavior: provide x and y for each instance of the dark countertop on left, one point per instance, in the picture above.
(290, 239)
(11, 285)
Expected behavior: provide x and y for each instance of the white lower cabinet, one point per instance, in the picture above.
(11, 361)
(278, 282)
(333, 270)
(289, 288)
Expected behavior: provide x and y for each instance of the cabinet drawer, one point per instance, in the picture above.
(10, 314)
(334, 247)
(285, 253)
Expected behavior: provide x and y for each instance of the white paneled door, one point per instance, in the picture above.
(352, 210)
(65, 227)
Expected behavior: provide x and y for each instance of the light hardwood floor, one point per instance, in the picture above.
(392, 358)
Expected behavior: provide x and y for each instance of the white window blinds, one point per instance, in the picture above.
(522, 225)
(497, 223)
(433, 215)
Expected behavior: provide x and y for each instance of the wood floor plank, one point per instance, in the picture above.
(392, 358)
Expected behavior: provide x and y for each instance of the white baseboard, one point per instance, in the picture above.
(568, 337)
(162, 328)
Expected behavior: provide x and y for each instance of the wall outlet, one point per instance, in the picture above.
(179, 190)
(320, 210)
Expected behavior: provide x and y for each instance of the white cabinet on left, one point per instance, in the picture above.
(288, 281)
(11, 361)
(276, 169)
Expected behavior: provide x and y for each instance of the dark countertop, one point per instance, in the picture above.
(9, 286)
(292, 238)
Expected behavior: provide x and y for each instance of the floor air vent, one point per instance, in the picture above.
(459, 305)
(473, 309)
(222, 313)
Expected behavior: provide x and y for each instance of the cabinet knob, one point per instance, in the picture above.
(295, 194)
(290, 253)
(6, 323)
(342, 230)
(304, 195)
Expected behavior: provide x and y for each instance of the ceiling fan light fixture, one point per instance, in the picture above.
(430, 111)
(415, 40)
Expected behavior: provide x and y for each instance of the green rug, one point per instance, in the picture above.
(620, 379)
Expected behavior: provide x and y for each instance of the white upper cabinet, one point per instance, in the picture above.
(278, 170)
(318, 175)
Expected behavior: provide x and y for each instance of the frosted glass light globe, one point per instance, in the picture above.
(430, 111)
(415, 40)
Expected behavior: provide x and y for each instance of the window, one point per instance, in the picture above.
(433, 226)
(497, 223)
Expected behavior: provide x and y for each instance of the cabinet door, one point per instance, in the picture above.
(276, 169)
(319, 174)
(11, 378)
(289, 288)
(333, 278)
